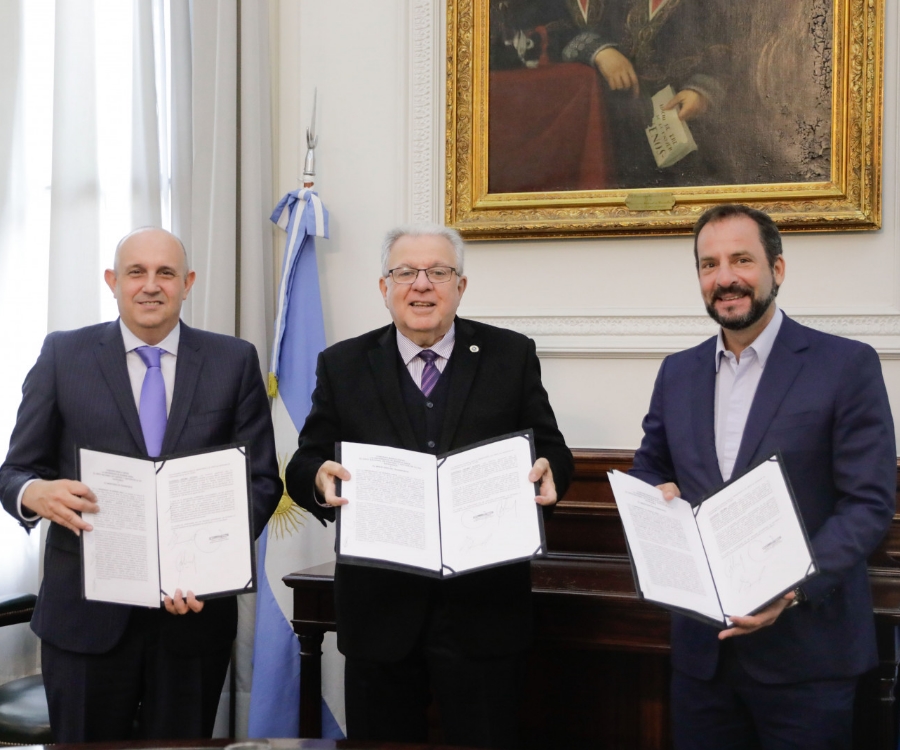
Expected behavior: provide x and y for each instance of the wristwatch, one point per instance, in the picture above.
(799, 597)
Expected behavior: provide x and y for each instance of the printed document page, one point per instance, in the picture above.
(120, 554)
(392, 508)
(665, 547)
(488, 513)
(205, 542)
(754, 540)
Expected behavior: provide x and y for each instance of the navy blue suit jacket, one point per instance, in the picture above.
(79, 394)
(822, 403)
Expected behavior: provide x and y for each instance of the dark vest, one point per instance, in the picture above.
(426, 415)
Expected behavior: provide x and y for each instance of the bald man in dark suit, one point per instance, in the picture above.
(106, 666)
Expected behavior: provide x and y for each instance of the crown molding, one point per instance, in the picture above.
(425, 106)
(653, 336)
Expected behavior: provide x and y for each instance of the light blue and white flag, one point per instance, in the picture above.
(293, 540)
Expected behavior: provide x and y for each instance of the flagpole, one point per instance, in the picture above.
(312, 140)
(287, 543)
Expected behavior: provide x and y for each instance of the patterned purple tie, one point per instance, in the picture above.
(153, 400)
(431, 373)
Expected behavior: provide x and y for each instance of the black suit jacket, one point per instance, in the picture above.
(79, 394)
(495, 388)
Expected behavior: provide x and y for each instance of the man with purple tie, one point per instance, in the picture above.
(147, 385)
(429, 382)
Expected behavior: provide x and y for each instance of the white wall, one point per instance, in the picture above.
(603, 311)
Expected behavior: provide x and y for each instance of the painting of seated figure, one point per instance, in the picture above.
(572, 84)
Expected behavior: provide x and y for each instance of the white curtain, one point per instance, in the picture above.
(26, 105)
(256, 268)
(232, 177)
(115, 115)
(231, 235)
(181, 86)
(149, 115)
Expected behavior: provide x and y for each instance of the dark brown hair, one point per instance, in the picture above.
(769, 236)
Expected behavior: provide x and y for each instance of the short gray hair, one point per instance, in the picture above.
(423, 229)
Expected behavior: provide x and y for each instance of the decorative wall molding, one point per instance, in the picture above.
(679, 325)
(425, 98)
(643, 336)
(601, 325)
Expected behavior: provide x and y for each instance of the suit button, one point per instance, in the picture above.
(430, 443)
(429, 404)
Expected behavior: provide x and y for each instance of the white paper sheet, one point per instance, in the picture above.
(488, 513)
(204, 526)
(392, 509)
(120, 554)
(754, 541)
(665, 547)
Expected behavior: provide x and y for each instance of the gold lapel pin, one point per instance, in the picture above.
(473, 348)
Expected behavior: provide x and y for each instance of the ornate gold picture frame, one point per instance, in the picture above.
(799, 129)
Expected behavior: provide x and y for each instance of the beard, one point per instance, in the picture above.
(758, 307)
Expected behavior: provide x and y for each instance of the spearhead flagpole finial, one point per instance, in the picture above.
(312, 139)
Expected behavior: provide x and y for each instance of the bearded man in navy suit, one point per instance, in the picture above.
(107, 666)
(785, 677)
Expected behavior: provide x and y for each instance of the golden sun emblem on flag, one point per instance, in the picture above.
(288, 517)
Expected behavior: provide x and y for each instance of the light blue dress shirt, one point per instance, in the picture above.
(736, 384)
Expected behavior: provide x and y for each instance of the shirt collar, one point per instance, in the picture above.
(409, 350)
(762, 344)
(168, 344)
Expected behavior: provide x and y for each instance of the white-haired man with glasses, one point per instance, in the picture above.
(431, 382)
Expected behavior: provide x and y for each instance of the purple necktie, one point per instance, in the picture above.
(153, 400)
(431, 373)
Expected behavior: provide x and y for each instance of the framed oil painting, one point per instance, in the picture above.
(630, 117)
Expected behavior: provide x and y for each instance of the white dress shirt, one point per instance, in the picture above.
(137, 369)
(736, 384)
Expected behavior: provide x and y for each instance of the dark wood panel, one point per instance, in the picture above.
(586, 523)
(584, 700)
(606, 653)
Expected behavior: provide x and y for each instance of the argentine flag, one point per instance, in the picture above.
(293, 540)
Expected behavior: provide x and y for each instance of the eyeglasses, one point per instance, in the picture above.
(435, 274)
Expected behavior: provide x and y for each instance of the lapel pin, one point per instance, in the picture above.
(473, 348)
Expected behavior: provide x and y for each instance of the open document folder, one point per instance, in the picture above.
(732, 554)
(173, 522)
(441, 515)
